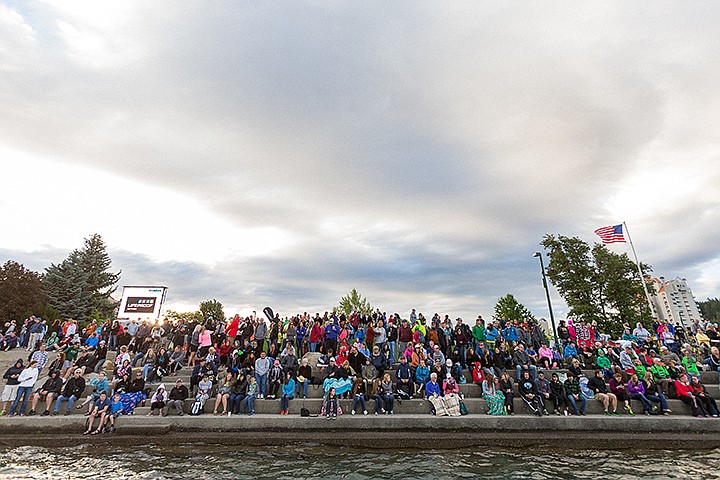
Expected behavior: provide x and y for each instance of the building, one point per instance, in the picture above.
(674, 301)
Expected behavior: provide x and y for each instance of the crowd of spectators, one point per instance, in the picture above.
(373, 359)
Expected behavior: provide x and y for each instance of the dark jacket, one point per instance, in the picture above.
(74, 387)
(597, 385)
(179, 393)
(53, 385)
(13, 371)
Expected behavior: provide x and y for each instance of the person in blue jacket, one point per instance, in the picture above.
(288, 393)
(510, 334)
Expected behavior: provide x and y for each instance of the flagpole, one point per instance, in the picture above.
(637, 262)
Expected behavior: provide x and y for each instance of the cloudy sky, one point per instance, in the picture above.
(282, 153)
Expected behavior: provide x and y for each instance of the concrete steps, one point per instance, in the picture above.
(407, 407)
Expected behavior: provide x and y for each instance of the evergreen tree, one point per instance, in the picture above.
(96, 263)
(354, 302)
(710, 309)
(82, 285)
(65, 285)
(20, 290)
(511, 309)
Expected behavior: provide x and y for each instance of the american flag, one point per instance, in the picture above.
(612, 234)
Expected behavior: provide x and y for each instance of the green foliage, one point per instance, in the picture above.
(511, 309)
(710, 309)
(596, 283)
(212, 307)
(44, 311)
(186, 317)
(20, 290)
(82, 284)
(65, 285)
(354, 302)
(96, 263)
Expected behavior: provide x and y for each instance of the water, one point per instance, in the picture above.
(312, 462)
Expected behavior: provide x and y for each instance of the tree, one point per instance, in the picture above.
(511, 309)
(81, 286)
(353, 302)
(185, 317)
(212, 308)
(20, 290)
(710, 309)
(597, 284)
(65, 285)
(101, 283)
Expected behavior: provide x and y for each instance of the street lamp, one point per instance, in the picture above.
(547, 294)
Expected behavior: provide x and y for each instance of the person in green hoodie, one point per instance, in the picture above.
(52, 341)
(603, 363)
(661, 375)
(689, 361)
(478, 332)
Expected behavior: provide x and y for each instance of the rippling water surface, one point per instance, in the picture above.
(309, 461)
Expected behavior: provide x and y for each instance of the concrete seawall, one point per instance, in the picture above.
(383, 432)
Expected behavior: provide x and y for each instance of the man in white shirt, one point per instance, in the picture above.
(27, 380)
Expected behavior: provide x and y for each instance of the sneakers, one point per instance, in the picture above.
(606, 413)
(2, 412)
(615, 413)
(45, 413)
(364, 412)
(327, 417)
(629, 410)
(352, 413)
(31, 413)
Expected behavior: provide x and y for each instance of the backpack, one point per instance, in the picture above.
(304, 412)
(463, 408)
(197, 408)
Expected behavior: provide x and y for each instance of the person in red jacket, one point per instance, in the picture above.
(685, 393)
(232, 328)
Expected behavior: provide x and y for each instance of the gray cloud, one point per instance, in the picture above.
(420, 154)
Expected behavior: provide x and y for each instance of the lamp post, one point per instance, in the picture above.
(547, 294)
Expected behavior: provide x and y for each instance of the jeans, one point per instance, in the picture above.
(393, 351)
(302, 388)
(659, 398)
(23, 392)
(573, 403)
(531, 368)
(647, 406)
(359, 400)
(313, 347)
(137, 357)
(71, 400)
(389, 402)
(146, 369)
(235, 402)
(262, 383)
(285, 401)
(112, 345)
(248, 403)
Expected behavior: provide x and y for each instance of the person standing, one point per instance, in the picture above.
(262, 367)
(27, 380)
